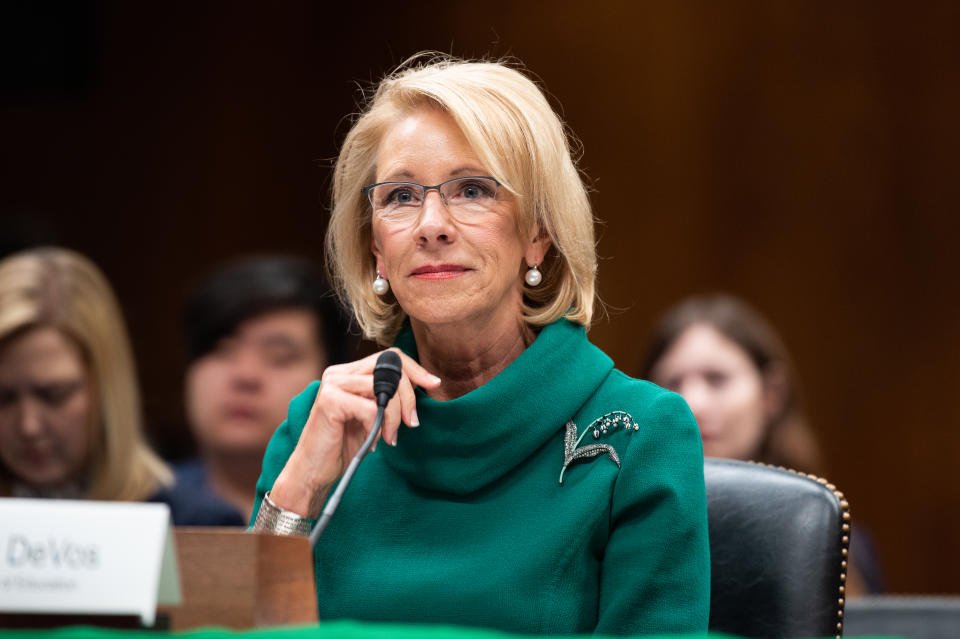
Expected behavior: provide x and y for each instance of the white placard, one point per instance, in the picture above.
(86, 557)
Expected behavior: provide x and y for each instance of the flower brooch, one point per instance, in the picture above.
(600, 426)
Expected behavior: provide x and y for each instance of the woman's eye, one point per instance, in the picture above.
(56, 395)
(7, 397)
(474, 191)
(400, 196)
(716, 379)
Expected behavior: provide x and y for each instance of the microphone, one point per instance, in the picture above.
(386, 378)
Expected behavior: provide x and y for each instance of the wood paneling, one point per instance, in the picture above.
(802, 155)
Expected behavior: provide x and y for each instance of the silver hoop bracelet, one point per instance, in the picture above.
(277, 521)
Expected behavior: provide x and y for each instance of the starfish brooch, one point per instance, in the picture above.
(601, 425)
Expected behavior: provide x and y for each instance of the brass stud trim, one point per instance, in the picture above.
(844, 539)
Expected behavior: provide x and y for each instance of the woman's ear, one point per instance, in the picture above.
(537, 246)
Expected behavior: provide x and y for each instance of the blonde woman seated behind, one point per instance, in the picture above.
(70, 420)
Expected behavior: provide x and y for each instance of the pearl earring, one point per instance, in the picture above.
(380, 285)
(533, 276)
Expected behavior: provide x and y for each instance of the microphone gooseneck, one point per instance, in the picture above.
(386, 378)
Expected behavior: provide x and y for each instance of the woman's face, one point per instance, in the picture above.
(45, 408)
(724, 389)
(443, 270)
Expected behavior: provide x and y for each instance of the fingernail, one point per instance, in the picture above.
(414, 420)
(394, 442)
(434, 379)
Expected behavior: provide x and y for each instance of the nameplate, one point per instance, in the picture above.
(86, 557)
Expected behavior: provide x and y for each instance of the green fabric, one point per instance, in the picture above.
(330, 630)
(465, 522)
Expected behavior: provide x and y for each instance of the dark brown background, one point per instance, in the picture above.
(800, 154)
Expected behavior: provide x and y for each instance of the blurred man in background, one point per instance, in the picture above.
(258, 331)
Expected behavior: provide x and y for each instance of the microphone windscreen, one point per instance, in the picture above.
(386, 375)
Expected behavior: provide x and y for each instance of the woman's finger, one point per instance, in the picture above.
(418, 375)
(356, 377)
(361, 366)
(407, 402)
(356, 383)
(336, 408)
(391, 422)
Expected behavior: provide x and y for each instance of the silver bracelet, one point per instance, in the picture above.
(277, 521)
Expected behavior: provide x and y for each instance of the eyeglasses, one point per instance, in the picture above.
(465, 197)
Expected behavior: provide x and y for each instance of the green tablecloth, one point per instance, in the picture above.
(329, 630)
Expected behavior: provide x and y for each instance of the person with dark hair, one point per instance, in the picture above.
(733, 369)
(258, 331)
(736, 375)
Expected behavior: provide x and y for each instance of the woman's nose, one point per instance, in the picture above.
(435, 223)
(697, 397)
(30, 419)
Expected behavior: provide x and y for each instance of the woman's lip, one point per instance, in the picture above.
(37, 457)
(439, 271)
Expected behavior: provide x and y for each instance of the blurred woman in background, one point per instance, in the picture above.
(734, 371)
(70, 422)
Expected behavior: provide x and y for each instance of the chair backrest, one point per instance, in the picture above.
(778, 547)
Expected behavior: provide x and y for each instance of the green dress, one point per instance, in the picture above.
(466, 521)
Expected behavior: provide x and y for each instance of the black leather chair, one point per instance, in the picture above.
(778, 548)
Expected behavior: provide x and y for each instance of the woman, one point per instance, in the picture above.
(733, 369)
(70, 421)
(69, 406)
(535, 488)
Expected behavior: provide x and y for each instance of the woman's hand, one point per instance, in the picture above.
(339, 422)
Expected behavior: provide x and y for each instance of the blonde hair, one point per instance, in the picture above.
(58, 288)
(508, 122)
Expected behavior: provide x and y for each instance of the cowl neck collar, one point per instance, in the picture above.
(466, 443)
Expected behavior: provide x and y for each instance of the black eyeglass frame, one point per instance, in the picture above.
(369, 188)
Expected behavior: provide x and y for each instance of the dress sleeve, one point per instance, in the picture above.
(655, 574)
(283, 442)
